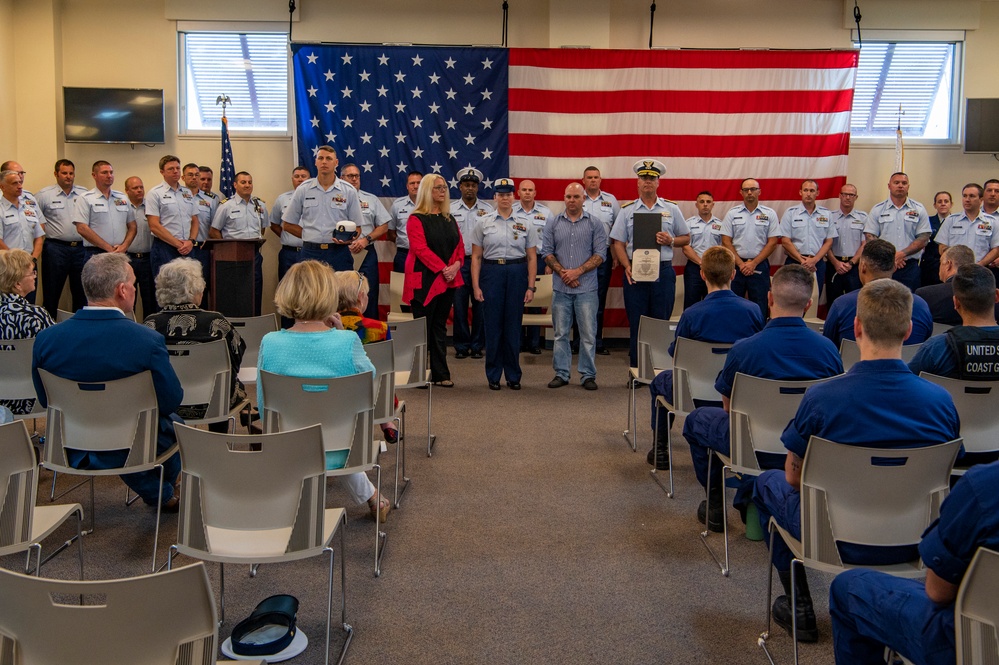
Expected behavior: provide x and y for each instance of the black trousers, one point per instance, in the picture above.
(436, 313)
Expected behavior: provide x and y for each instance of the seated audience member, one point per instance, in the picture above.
(722, 317)
(786, 350)
(354, 300)
(99, 343)
(940, 297)
(871, 610)
(878, 403)
(179, 287)
(19, 319)
(316, 346)
(877, 261)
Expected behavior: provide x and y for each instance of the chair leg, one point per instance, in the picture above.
(725, 568)
(631, 429)
(78, 538)
(221, 593)
(669, 454)
(380, 536)
(765, 635)
(159, 510)
(431, 438)
(348, 629)
(400, 457)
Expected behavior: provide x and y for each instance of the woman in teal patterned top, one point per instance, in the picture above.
(316, 346)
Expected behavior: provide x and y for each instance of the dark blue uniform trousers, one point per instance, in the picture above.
(503, 287)
(653, 299)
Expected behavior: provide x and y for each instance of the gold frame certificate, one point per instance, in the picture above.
(645, 265)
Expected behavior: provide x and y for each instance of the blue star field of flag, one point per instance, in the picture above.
(391, 110)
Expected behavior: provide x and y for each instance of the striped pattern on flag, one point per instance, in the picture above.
(714, 117)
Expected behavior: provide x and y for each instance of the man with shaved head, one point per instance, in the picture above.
(574, 245)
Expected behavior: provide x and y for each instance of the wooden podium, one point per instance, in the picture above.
(232, 289)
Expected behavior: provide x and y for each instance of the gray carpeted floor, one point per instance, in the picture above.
(533, 535)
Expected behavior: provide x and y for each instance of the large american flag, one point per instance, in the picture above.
(713, 117)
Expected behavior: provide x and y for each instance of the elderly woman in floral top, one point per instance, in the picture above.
(19, 319)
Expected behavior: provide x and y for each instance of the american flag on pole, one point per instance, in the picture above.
(713, 117)
(227, 171)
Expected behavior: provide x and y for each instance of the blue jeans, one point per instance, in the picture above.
(582, 306)
(467, 338)
(59, 263)
(757, 286)
(871, 610)
(604, 271)
(653, 299)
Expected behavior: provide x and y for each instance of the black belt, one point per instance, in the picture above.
(67, 243)
(845, 259)
(321, 245)
(504, 262)
(138, 255)
(293, 248)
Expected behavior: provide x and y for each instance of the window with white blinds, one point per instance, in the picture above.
(250, 68)
(915, 84)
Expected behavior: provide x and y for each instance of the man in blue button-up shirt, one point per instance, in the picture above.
(905, 224)
(574, 245)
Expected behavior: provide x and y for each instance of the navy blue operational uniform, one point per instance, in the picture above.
(786, 350)
(507, 246)
(839, 321)
(871, 609)
(878, 403)
(722, 317)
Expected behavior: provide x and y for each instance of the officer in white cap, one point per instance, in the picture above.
(648, 298)
(504, 265)
(467, 211)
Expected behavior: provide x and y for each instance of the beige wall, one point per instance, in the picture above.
(73, 42)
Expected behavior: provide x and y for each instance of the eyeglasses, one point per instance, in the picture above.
(746, 190)
(360, 284)
(440, 188)
(848, 195)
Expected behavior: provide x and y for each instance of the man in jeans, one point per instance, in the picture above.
(574, 245)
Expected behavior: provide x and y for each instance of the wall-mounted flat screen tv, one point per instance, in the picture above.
(113, 115)
(981, 126)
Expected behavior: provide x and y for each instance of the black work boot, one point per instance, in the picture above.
(717, 513)
(658, 455)
(781, 611)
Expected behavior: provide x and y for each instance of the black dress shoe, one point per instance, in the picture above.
(603, 352)
(494, 385)
(557, 382)
(514, 385)
(535, 350)
(460, 354)
(476, 353)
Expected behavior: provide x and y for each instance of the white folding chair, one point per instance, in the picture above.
(862, 496)
(850, 352)
(695, 367)
(412, 369)
(205, 375)
(382, 356)
(252, 329)
(62, 315)
(15, 375)
(119, 621)
(129, 420)
(815, 324)
(940, 328)
(759, 410)
(259, 503)
(977, 404)
(976, 611)
(542, 299)
(23, 525)
(654, 337)
(344, 407)
(395, 313)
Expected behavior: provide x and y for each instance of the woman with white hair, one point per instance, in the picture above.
(179, 287)
(19, 319)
